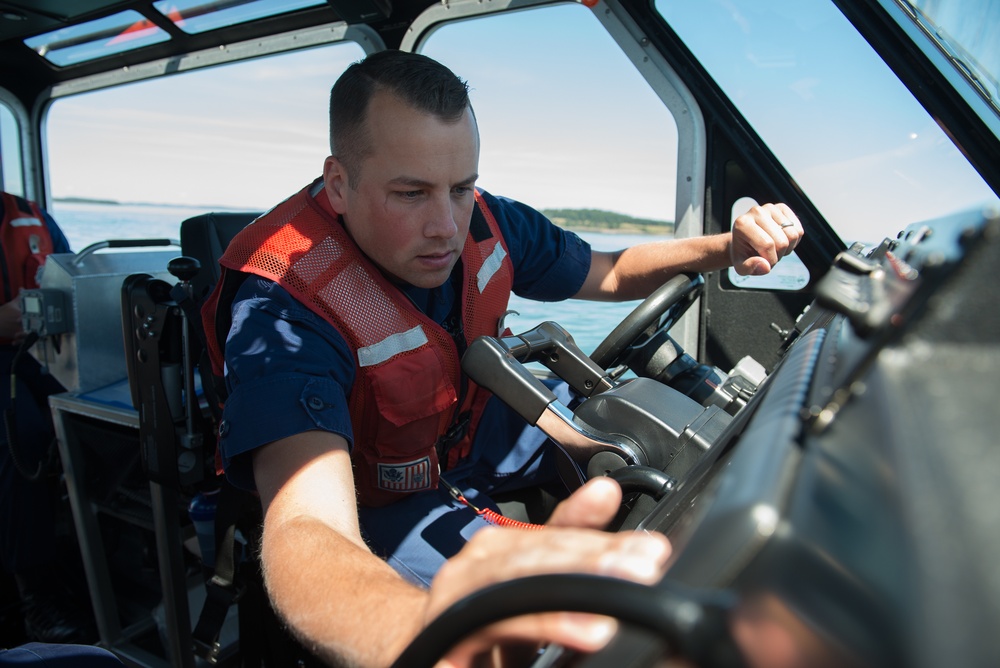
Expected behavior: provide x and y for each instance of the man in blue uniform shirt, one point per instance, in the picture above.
(550, 264)
(399, 192)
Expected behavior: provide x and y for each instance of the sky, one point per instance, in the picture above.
(248, 135)
(565, 120)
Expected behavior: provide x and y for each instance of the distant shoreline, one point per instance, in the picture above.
(577, 220)
(111, 202)
(609, 222)
(657, 230)
(85, 200)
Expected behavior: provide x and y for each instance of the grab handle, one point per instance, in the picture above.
(120, 243)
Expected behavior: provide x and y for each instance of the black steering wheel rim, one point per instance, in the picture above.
(670, 301)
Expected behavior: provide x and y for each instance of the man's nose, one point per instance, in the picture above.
(441, 219)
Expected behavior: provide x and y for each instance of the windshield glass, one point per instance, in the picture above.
(194, 16)
(851, 135)
(968, 32)
(113, 34)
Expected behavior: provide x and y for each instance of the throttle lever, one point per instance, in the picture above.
(490, 363)
(554, 347)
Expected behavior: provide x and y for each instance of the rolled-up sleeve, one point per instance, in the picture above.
(550, 263)
(288, 371)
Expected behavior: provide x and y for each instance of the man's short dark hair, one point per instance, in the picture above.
(421, 82)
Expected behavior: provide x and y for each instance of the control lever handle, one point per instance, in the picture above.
(554, 347)
(489, 363)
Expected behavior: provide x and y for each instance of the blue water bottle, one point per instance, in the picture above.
(202, 512)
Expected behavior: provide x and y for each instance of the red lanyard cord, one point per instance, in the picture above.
(491, 516)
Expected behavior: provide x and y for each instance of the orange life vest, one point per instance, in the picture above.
(410, 402)
(25, 242)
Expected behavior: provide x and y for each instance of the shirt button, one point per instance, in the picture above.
(223, 428)
(315, 403)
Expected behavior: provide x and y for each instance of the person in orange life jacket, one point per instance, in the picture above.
(338, 322)
(28, 498)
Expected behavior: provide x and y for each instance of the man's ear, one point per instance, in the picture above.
(335, 183)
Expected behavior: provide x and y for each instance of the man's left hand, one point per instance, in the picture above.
(762, 236)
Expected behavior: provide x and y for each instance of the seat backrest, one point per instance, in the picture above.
(205, 238)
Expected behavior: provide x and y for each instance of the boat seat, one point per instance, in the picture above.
(156, 339)
(205, 238)
(178, 437)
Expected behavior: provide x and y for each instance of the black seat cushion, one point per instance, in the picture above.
(205, 238)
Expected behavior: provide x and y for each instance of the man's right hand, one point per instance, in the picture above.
(569, 544)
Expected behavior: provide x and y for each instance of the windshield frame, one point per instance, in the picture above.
(965, 50)
(969, 120)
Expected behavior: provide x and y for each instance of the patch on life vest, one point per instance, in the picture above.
(405, 477)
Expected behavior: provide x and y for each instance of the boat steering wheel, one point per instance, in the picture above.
(658, 312)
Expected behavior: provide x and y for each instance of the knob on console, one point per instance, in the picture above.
(184, 268)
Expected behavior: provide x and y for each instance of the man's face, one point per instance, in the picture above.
(412, 205)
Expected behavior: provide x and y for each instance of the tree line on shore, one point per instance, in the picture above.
(598, 219)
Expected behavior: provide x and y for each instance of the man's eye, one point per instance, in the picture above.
(409, 194)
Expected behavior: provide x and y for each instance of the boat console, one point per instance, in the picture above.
(809, 511)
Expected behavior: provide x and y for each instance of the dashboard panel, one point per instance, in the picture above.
(835, 505)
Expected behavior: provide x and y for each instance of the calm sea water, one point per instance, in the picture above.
(588, 322)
